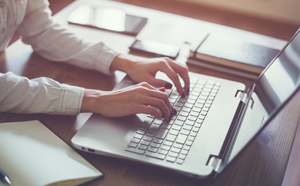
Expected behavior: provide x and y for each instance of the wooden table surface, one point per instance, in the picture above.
(262, 163)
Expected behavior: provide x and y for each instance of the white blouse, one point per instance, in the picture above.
(32, 20)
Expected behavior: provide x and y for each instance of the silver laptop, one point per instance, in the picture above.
(213, 123)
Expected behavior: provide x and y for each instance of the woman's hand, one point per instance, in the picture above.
(140, 98)
(144, 70)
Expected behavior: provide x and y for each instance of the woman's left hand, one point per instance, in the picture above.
(145, 69)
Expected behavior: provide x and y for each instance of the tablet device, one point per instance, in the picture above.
(110, 19)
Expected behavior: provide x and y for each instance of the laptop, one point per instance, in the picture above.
(213, 124)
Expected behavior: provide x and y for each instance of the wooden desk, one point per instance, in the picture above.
(262, 163)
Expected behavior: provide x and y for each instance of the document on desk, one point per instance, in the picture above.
(30, 154)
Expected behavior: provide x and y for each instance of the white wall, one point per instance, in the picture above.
(281, 10)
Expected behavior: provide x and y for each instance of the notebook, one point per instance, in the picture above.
(33, 155)
(213, 123)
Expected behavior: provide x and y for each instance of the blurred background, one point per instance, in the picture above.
(275, 18)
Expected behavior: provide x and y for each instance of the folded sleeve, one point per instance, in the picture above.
(56, 43)
(41, 95)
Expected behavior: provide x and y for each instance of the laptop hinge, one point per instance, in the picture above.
(242, 95)
(214, 162)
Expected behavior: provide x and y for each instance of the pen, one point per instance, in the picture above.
(4, 178)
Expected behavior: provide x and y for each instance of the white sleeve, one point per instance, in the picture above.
(41, 95)
(58, 44)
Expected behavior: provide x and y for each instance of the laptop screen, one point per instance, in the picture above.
(270, 91)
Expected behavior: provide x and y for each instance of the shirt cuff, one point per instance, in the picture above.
(70, 100)
(104, 58)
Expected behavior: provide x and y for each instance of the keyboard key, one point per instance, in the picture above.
(179, 146)
(187, 127)
(193, 134)
(150, 134)
(168, 143)
(191, 101)
(191, 138)
(142, 132)
(161, 151)
(185, 132)
(162, 133)
(164, 147)
(155, 155)
(184, 152)
(171, 138)
(178, 122)
(176, 150)
(148, 138)
(193, 97)
(142, 147)
(185, 109)
(182, 156)
(166, 126)
(171, 159)
(181, 118)
(192, 118)
(198, 124)
(148, 121)
(138, 136)
(156, 145)
(174, 132)
(132, 145)
(189, 122)
(154, 127)
(202, 97)
(185, 148)
(193, 113)
(139, 151)
(184, 114)
(158, 122)
(181, 139)
(195, 129)
(188, 105)
(201, 117)
(196, 109)
(179, 161)
(205, 109)
(130, 149)
(156, 140)
(189, 143)
(176, 127)
(204, 93)
(152, 149)
(135, 140)
(206, 89)
(173, 154)
(146, 143)
(203, 113)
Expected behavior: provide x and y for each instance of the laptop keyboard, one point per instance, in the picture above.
(171, 141)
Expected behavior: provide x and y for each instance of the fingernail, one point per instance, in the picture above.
(168, 85)
(174, 111)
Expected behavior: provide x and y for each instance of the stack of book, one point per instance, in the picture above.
(231, 55)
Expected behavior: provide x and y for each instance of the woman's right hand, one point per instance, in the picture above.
(136, 99)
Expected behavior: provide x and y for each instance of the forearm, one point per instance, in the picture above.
(42, 95)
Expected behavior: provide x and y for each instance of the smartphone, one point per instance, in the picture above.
(155, 49)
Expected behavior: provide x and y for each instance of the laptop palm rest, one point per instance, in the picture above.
(110, 135)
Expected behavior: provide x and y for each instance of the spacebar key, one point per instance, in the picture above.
(155, 155)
